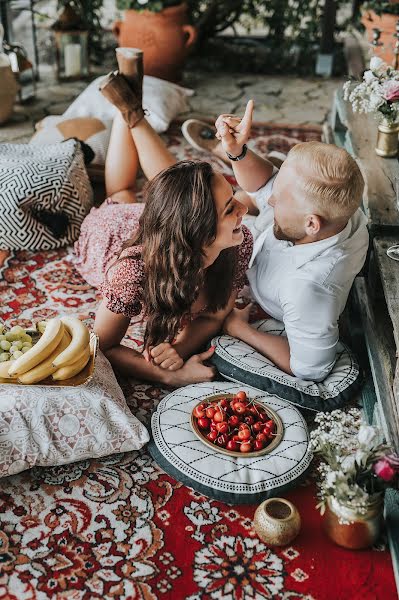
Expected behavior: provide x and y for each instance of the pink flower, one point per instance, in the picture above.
(383, 470)
(390, 90)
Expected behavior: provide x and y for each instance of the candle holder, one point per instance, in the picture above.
(71, 42)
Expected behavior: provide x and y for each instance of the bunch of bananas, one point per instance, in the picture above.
(62, 351)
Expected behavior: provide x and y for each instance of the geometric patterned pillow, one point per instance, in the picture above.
(232, 479)
(50, 426)
(45, 195)
(237, 361)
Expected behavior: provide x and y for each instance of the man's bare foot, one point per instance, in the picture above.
(193, 371)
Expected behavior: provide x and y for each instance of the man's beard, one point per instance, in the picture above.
(286, 236)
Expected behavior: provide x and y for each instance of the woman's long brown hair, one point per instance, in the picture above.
(178, 221)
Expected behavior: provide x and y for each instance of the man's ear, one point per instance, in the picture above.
(313, 224)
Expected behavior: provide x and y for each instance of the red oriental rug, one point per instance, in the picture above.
(122, 529)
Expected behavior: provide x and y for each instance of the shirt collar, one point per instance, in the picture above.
(302, 253)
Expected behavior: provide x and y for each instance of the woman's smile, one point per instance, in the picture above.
(238, 228)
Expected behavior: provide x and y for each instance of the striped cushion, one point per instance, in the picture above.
(237, 361)
(45, 195)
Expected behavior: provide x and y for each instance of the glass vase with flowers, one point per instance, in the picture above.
(355, 470)
(378, 94)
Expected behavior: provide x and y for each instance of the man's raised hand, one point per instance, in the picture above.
(234, 132)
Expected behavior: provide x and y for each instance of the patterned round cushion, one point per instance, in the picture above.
(236, 480)
(237, 361)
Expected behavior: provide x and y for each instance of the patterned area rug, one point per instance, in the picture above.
(120, 528)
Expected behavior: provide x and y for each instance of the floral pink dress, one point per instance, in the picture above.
(103, 233)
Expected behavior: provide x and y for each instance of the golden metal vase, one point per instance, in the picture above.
(277, 521)
(387, 139)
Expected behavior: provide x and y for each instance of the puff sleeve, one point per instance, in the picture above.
(122, 288)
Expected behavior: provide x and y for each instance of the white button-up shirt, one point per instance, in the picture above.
(306, 286)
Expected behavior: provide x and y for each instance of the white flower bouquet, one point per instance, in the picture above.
(356, 467)
(377, 93)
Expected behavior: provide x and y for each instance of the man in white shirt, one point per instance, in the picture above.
(313, 245)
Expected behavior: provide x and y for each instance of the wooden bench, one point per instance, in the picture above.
(374, 302)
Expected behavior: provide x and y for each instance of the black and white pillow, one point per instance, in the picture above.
(236, 480)
(237, 361)
(45, 193)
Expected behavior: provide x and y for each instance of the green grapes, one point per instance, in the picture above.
(14, 343)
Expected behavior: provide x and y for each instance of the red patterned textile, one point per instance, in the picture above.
(121, 529)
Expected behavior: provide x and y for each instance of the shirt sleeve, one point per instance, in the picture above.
(265, 217)
(311, 324)
(123, 286)
(262, 195)
(243, 257)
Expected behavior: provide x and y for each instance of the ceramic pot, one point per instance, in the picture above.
(8, 90)
(385, 23)
(387, 139)
(165, 37)
(357, 531)
(277, 521)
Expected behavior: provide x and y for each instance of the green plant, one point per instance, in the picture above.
(382, 6)
(286, 22)
(152, 5)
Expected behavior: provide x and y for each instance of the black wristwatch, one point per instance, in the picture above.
(240, 156)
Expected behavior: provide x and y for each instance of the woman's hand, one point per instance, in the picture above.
(234, 132)
(194, 370)
(165, 356)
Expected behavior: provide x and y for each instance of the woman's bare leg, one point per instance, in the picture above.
(122, 162)
(153, 155)
(128, 150)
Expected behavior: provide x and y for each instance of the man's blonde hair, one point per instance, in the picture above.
(330, 178)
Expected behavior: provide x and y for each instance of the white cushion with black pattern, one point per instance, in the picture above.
(236, 480)
(45, 195)
(237, 361)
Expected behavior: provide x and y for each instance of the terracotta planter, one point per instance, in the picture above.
(350, 529)
(165, 38)
(386, 24)
(8, 90)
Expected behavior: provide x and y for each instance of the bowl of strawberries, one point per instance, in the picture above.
(237, 425)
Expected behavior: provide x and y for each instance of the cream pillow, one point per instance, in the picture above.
(51, 426)
(92, 131)
(163, 100)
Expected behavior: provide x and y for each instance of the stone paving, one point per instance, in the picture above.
(277, 99)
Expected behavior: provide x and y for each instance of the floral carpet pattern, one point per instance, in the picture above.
(120, 528)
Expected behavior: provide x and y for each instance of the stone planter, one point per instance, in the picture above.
(8, 90)
(165, 38)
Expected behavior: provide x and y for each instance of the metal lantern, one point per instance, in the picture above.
(23, 70)
(71, 41)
